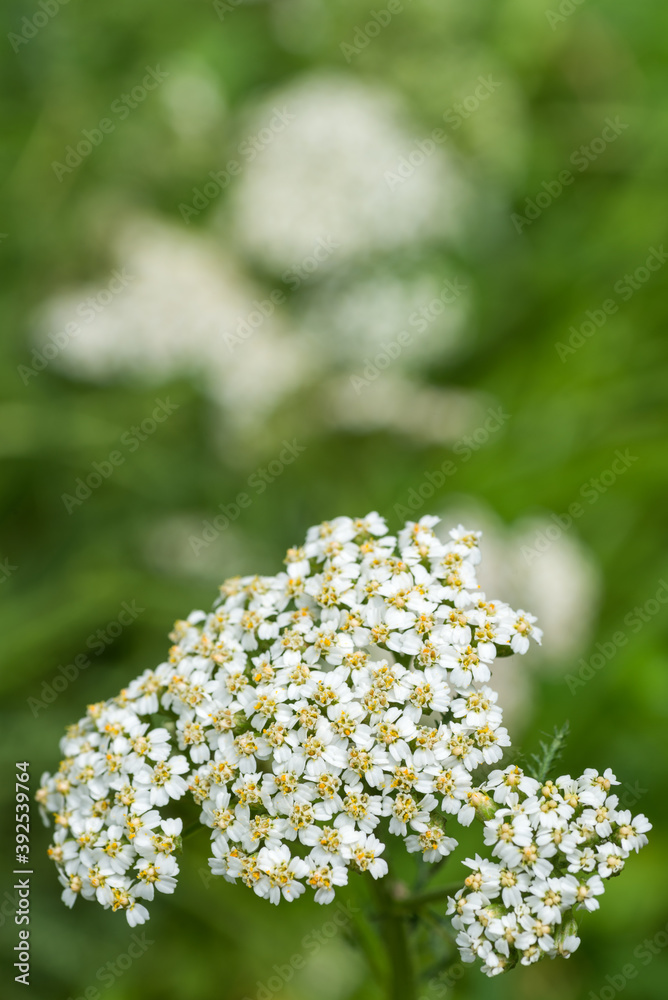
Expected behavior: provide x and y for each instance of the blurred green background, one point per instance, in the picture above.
(364, 160)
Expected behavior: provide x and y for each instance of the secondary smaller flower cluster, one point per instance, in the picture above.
(555, 843)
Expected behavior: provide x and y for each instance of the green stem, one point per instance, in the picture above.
(427, 873)
(193, 828)
(434, 922)
(431, 896)
(394, 932)
(365, 937)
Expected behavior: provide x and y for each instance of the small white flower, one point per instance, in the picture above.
(586, 893)
(610, 860)
(324, 877)
(281, 874)
(581, 860)
(523, 626)
(632, 831)
(154, 875)
(432, 842)
(364, 853)
(164, 780)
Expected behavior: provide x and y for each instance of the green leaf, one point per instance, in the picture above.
(550, 752)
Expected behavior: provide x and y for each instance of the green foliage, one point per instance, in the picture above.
(550, 752)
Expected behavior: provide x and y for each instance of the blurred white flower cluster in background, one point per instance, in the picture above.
(317, 183)
(324, 175)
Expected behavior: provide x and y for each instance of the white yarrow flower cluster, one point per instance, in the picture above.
(314, 714)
